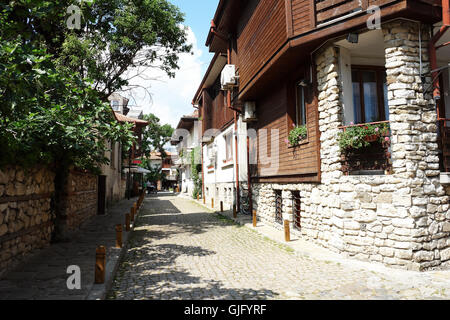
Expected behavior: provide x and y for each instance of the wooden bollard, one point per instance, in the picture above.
(100, 262)
(212, 203)
(254, 218)
(127, 222)
(119, 236)
(132, 211)
(234, 211)
(198, 196)
(221, 206)
(287, 232)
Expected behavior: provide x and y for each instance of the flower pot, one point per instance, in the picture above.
(371, 138)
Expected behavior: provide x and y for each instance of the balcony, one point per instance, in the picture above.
(366, 149)
(328, 11)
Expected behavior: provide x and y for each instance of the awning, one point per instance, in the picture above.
(137, 170)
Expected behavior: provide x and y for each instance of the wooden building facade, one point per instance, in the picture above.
(327, 70)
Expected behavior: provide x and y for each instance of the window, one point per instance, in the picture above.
(211, 156)
(300, 108)
(115, 105)
(278, 207)
(229, 146)
(369, 94)
(296, 209)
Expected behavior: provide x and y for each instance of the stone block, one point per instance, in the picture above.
(3, 229)
(407, 223)
(402, 200)
(446, 227)
(365, 216)
(386, 252)
(445, 254)
(423, 256)
(352, 225)
(383, 197)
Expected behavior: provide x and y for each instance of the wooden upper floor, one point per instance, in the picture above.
(211, 101)
(266, 36)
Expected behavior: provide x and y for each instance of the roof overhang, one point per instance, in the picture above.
(137, 122)
(224, 23)
(215, 68)
(187, 123)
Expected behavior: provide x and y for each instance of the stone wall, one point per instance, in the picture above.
(26, 220)
(400, 220)
(82, 198)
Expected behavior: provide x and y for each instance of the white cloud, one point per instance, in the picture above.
(171, 98)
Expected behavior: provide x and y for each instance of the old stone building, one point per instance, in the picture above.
(356, 156)
(399, 218)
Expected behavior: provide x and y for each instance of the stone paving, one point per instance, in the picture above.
(43, 275)
(181, 250)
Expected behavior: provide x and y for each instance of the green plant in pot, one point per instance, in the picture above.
(297, 134)
(361, 136)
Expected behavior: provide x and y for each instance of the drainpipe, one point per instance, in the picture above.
(249, 178)
(238, 197)
(432, 48)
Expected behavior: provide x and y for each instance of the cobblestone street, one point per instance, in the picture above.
(181, 251)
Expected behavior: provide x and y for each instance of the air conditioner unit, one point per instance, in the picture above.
(249, 111)
(228, 77)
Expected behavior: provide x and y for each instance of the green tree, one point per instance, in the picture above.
(196, 170)
(156, 136)
(115, 35)
(54, 82)
(155, 174)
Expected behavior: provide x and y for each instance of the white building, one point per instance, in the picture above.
(187, 141)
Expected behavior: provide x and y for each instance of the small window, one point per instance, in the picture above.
(300, 108)
(278, 207)
(229, 146)
(370, 99)
(115, 105)
(296, 209)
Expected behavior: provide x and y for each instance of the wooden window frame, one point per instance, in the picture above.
(379, 72)
(228, 147)
(292, 107)
(303, 107)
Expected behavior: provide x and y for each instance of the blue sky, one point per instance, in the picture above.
(199, 14)
(171, 98)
